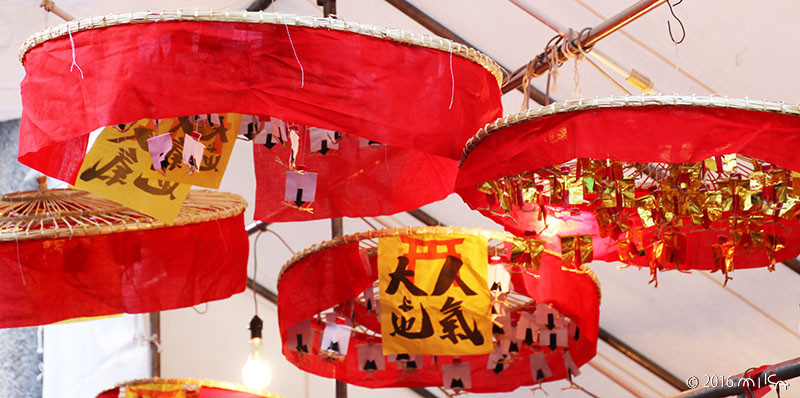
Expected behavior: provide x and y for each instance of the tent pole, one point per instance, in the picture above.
(542, 61)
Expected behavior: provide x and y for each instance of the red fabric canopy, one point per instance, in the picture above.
(382, 90)
(645, 134)
(333, 276)
(671, 134)
(188, 388)
(49, 280)
(354, 181)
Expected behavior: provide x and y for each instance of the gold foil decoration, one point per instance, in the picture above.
(773, 243)
(576, 249)
(710, 164)
(532, 247)
(790, 208)
(632, 246)
(645, 206)
(486, 188)
(574, 187)
(530, 194)
(626, 187)
(556, 190)
(796, 183)
(713, 205)
(729, 162)
(692, 205)
(608, 198)
(745, 195)
(723, 258)
(757, 180)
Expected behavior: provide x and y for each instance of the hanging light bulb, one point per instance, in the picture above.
(256, 374)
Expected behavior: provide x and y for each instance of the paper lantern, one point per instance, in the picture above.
(67, 254)
(362, 120)
(666, 182)
(334, 313)
(182, 388)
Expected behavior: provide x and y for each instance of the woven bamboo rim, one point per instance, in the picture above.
(431, 230)
(713, 101)
(393, 34)
(65, 213)
(199, 383)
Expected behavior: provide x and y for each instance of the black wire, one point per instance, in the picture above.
(669, 26)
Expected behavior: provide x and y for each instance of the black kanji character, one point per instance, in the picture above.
(452, 310)
(448, 275)
(401, 275)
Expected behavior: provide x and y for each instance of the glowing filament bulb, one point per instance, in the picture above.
(256, 373)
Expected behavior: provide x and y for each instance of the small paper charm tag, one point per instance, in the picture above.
(554, 338)
(526, 329)
(300, 335)
(498, 359)
(249, 127)
(363, 142)
(569, 364)
(193, 151)
(499, 278)
(408, 362)
(158, 147)
(545, 315)
(370, 358)
(370, 301)
(539, 367)
(300, 187)
(269, 135)
(322, 141)
(279, 129)
(335, 337)
(456, 376)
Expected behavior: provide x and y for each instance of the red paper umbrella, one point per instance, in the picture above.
(542, 320)
(181, 388)
(374, 114)
(673, 182)
(67, 254)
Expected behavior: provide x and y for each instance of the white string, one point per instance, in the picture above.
(282, 241)
(576, 77)
(203, 312)
(302, 72)
(72, 43)
(19, 261)
(452, 77)
(675, 76)
(255, 269)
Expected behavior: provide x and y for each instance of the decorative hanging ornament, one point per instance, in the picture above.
(66, 254)
(463, 309)
(182, 388)
(665, 182)
(346, 119)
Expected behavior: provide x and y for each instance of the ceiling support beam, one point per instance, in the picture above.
(793, 264)
(607, 337)
(438, 29)
(541, 63)
(259, 5)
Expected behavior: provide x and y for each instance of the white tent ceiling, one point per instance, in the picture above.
(690, 324)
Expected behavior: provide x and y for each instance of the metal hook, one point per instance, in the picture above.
(669, 26)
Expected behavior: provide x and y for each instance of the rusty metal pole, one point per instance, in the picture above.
(328, 8)
(337, 231)
(542, 61)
